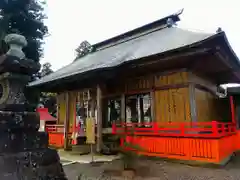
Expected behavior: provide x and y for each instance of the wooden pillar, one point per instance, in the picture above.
(66, 123)
(60, 100)
(153, 110)
(92, 107)
(74, 126)
(58, 106)
(152, 96)
(192, 103)
(141, 113)
(99, 119)
(232, 109)
(123, 108)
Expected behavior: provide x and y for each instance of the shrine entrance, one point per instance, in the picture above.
(85, 109)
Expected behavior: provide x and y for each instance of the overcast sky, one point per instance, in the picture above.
(70, 22)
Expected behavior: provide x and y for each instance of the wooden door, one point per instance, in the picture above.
(172, 105)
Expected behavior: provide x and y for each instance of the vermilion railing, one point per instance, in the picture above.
(58, 128)
(56, 134)
(212, 129)
(54, 128)
(212, 142)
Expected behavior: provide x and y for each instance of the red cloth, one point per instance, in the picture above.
(44, 115)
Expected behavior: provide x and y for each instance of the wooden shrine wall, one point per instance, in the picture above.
(128, 86)
(168, 79)
(72, 107)
(206, 106)
(172, 96)
(61, 101)
(61, 108)
(146, 83)
(209, 107)
(139, 84)
(172, 103)
(203, 81)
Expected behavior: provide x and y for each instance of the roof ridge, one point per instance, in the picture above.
(192, 30)
(145, 28)
(133, 37)
(152, 31)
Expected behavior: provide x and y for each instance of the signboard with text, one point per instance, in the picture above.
(90, 131)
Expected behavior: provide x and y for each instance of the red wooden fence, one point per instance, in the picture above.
(193, 129)
(208, 141)
(56, 134)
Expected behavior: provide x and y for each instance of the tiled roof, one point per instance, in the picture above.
(156, 42)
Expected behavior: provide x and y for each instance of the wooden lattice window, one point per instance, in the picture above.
(138, 108)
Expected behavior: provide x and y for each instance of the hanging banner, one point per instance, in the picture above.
(90, 131)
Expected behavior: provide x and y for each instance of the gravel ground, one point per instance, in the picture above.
(154, 170)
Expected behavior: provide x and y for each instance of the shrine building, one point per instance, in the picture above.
(161, 80)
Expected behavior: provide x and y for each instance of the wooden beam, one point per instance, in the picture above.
(66, 123)
(232, 109)
(58, 105)
(152, 96)
(92, 106)
(150, 60)
(153, 110)
(123, 108)
(192, 99)
(99, 119)
(74, 126)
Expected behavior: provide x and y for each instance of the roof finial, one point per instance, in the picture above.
(219, 30)
(170, 22)
(180, 12)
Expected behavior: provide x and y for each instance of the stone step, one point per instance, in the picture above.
(82, 149)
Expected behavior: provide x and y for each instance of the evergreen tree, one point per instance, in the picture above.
(47, 99)
(46, 70)
(83, 49)
(26, 18)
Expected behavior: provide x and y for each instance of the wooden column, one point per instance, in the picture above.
(152, 96)
(193, 106)
(141, 112)
(91, 101)
(232, 109)
(123, 108)
(74, 126)
(99, 119)
(58, 106)
(66, 123)
(153, 110)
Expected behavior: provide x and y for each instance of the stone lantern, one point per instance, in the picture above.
(16, 43)
(24, 152)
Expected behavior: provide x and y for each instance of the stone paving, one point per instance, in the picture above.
(68, 156)
(154, 170)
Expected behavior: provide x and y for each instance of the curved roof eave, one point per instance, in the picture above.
(230, 49)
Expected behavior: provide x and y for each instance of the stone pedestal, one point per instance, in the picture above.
(24, 152)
